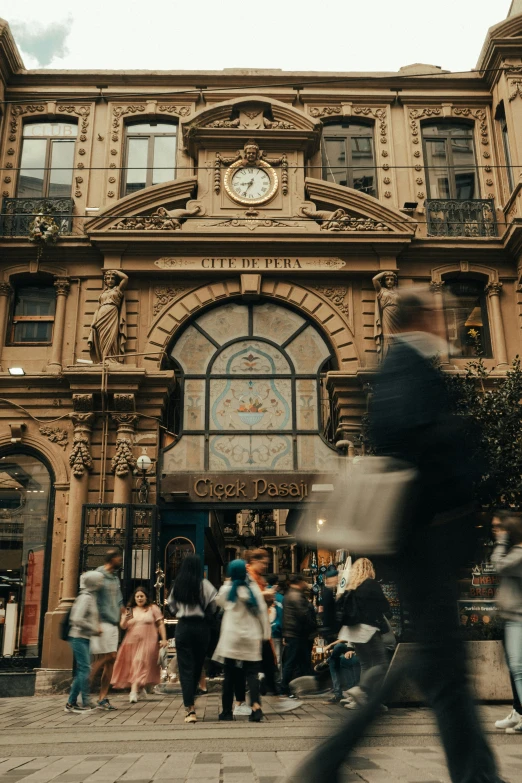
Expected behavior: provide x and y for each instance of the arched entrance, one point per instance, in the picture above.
(25, 510)
(250, 410)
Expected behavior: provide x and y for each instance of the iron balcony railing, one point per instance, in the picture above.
(18, 214)
(466, 218)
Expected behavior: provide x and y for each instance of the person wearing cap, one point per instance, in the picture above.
(84, 623)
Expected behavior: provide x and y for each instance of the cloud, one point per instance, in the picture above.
(44, 43)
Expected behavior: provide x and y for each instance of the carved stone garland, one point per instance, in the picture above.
(124, 461)
(514, 85)
(56, 435)
(80, 458)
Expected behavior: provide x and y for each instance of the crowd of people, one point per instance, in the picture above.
(260, 636)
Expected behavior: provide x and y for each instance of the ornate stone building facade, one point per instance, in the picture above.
(206, 276)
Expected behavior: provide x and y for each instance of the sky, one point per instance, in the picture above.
(301, 35)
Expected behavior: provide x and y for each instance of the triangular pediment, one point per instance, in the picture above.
(339, 209)
(160, 206)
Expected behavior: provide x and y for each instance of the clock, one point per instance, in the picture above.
(251, 184)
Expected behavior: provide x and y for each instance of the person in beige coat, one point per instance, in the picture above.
(244, 627)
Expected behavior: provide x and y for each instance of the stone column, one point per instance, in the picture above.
(62, 285)
(123, 463)
(437, 288)
(497, 326)
(5, 294)
(81, 463)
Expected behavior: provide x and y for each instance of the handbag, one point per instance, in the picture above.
(367, 510)
(163, 657)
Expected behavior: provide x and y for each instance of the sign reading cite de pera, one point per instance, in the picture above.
(249, 263)
(230, 487)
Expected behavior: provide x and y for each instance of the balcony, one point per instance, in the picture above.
(466, 218)
(19, 213)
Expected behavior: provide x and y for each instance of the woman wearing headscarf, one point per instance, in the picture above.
(244, 627)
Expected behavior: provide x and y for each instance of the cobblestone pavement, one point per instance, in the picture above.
(371, 765)
(149, 743)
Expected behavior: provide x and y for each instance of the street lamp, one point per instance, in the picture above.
(143, 463)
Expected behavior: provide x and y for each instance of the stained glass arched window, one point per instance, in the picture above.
(251, 392)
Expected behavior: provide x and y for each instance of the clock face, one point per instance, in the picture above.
(251, 184)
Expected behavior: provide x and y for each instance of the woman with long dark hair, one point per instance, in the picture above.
(244, 627)
(191, 600)
(137, 660)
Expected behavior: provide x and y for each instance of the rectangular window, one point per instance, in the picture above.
(507, 154)
(137, 155)
(451, 167)
(348, 157)
(33, 315)
(61, 169)
(32, 169)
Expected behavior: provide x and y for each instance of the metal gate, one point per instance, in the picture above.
(133, 528)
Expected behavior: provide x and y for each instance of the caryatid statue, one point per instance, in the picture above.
(386, 310)
(108, 328)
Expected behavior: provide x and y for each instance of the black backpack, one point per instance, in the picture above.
(348, 611)
(65, 627)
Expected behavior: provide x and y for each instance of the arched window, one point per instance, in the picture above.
(150, 155)
(348, 156)
(32, 315)
(467, 318)
(25, 496)
(251, 391)
(449, 154)
(46, 165)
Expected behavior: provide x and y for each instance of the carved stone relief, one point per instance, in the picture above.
(337, 295)
(341, 220)
(56, 435)
(160, 220)
(251, 120)
(165, 294)
(325, 111)
(249, 219)
(124, 461)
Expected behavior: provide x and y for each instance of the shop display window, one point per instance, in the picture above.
(25, 495)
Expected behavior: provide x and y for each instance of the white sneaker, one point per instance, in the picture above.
(242, 709)
(510, 722)
(358, 695)
(133, 698)
(286, 705)
(515, 729)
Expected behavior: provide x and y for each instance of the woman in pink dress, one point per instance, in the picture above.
(137, 660)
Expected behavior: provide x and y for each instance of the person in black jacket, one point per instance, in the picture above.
(330, 626)
(410, 419)
(298, 624)
(367, 605)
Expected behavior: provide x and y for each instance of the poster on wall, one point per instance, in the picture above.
(478, 611)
